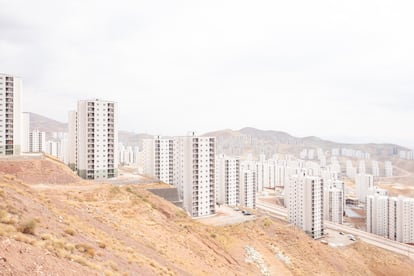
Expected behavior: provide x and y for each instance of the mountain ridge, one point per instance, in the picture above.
(263, 139)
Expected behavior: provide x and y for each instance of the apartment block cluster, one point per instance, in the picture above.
(313, 191)
(385, 171)
(347, 152)
(188, 163)
(34, 140)
(406, 154)
(128, 155)
(390, 217)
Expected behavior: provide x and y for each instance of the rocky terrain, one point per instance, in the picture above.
(49, 227)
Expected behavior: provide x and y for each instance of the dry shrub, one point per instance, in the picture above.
(27, 227)
(86, 248)
(102, 245)
(70, 231)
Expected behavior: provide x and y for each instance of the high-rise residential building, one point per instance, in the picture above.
(377, 214)
(52, 148)
(311, 154)
(334, 200)
(194, 173)
(25, 132)
(361, 168)
(390, 217)
(305, 204)
(228, 180)
(58, 147)
(128, 155)
(363, 183)
(334, 205)
(350, 169)
(159, 158)
(248, 189)
(388, 169)
(375, 168)
(401, 219)
(96, 139)
(37, 141)
(10, 115)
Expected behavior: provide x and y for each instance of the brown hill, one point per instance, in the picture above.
(43, 169)
(102, 229)
(46, 124)
(256, 141)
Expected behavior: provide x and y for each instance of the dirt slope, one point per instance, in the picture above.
(91, 228)
(43, 170)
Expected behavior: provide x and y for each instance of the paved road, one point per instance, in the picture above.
(369, 238)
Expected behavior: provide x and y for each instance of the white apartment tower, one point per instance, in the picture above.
(334, 201)
(227, 180)
(363, 183)
(377, 214)
(248, 189)
(388, 169)
(96, 139)
(37, 141)
(305, 204)
(10, 115)
(159, 158)
(401, 219)
(361, 168)
(25, 132)
(194, 173)
(375, 168)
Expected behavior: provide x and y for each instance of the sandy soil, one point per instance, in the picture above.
(93, 228)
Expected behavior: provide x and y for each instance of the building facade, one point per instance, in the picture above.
(248, 189)
(10, 115)
(363, 182)
(334, 204)
(96, 139)
(228, 180)
(159, 158)
(305, 204)
(37, 141)
(194, 173)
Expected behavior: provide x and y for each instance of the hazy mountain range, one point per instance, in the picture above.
(240, 142)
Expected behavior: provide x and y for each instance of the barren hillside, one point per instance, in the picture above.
(88, 228)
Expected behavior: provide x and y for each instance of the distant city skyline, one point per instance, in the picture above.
(342, 71)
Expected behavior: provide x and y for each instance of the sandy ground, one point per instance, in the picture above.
(91, 228)
(335, 239)
(227, 216)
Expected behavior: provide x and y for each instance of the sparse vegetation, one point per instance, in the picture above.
(112, 265)
(27, 227)
(70, 231)
(86, 248)
(267, 222)
(113, 230)
(102, 245)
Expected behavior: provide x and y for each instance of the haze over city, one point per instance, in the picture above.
(338, 70)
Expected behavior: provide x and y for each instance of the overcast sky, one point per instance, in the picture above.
(341, 70)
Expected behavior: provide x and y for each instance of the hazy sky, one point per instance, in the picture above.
(341, 70)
